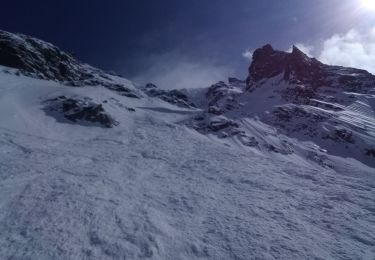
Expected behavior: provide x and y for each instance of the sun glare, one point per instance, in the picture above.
(369, 4)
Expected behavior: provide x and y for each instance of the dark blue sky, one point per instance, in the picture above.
(130, 36)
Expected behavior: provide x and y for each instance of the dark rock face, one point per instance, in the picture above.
(304, 69)
(370, 152)
(78, 111)
(342, 135)
(215, 110)
(217, 92)
(220, 124)
(221, 97)
(296, 66)
(174, 97)
(350, 79)
(299, 69)
(39, 59)
(34, 56)
(267, 63)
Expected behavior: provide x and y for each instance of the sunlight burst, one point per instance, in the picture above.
(369, 4)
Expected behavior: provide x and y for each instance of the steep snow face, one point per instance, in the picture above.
(227, 172)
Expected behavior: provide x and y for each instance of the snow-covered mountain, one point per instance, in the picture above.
(278, 166)
(298, 100)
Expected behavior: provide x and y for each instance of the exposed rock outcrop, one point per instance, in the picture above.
(298, 68)
(174, 96)
(78, 111)
(39, 59)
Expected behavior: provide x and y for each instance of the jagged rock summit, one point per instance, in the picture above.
(268, 63)
(298, 68)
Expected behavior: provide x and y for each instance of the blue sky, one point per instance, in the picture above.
(179, 43)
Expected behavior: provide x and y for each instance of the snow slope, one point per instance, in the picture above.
(153, 188)
(278, 167)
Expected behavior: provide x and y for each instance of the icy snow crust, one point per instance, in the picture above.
(153, 188)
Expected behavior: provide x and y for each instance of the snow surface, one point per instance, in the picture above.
(152, 188)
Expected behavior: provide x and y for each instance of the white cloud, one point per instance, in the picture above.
(176, 71)
(248, 54)
(352, 49)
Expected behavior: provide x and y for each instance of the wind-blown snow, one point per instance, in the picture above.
(151, 188)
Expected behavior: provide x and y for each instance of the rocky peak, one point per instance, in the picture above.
(39, 59)
(297, 52)
(296, 66)
(267, 63)
(304, 69)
